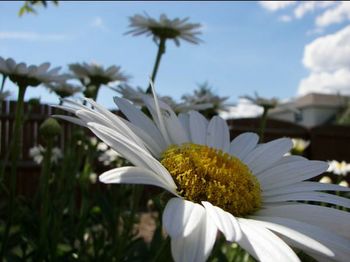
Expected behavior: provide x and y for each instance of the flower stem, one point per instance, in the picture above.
(15, 147)
(44, 196)
(161, 51)
(263, 124)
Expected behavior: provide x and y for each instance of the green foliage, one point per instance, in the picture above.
(29, 6)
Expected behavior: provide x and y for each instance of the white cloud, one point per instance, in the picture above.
(31, 36)
(243, 109)
(98, 23)
(309, 6)
(329, 53)
(276, 5)
(285, 18)
(325, 82)
(335, 15)
(328, 59)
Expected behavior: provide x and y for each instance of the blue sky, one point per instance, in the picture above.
(248, 46)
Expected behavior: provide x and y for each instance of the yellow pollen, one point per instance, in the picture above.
(207, 174)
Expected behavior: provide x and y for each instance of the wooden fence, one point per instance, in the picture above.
(327, 142)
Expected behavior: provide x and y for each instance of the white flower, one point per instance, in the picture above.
(31, 75)
(267, 103)
(247, 191)
(102, 146)
(96, 74)
(64, 89)
(108, 157)
(37, 153)
(344, 183)
(326, 180)
(136, 96)
(165, 28)
(93, 178)
(338, 168)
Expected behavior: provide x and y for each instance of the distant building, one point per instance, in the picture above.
(310, 110)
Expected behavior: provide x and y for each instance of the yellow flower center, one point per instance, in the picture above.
(207, 174)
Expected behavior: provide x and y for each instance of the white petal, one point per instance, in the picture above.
(312, 214)
(198, 245)
(154, 146)
(218, 134)
(304, 187)
(184, 118)
(71, 119)
(308, 237)
(224, 221)
(266, 154)
(290, 173)
(21, 69)
(181, 217)
(131, 151)
(139, 119)
(263, 244)
(198, 128)
(310, 196)
(134, 175)
(243, 144)
(42, 68)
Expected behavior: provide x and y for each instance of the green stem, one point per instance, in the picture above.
(161, 51)
(263, 124)
(44, 196)
(15, 150)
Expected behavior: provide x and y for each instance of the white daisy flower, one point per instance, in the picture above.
(95, 74)
(165, 28)
(64, 89)
(247, 191)
(338, 168)
(136, 96)
(267, 103)
(32, 75)
(37, 154)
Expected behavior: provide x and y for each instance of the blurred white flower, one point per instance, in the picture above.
(344, 183)
(102, 146)
(94, 74)
(136, 95)
(299, 145)
(93, 178)
(93, 141)
(108, 157)
(338, 168)
(267, 103)
(326, 180)
(64, 89)
(37, 153)
(32, 75)
(165, 28)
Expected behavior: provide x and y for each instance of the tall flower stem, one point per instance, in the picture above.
(15, 147)
(3, 83)
(263, 120)
(44, 196)
(161, 51)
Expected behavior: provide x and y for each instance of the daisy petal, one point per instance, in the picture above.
(263, 244)
(304, 187)
(181, 217)
(266, 154)
(224, 221)
(198, 128)
(198, 245)
(184, 118)
(133, 175)
(218, 134)
(139, 119)
(312, 214)
(308, 237)
(290, 173)
(310, 196)
(243, 144)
